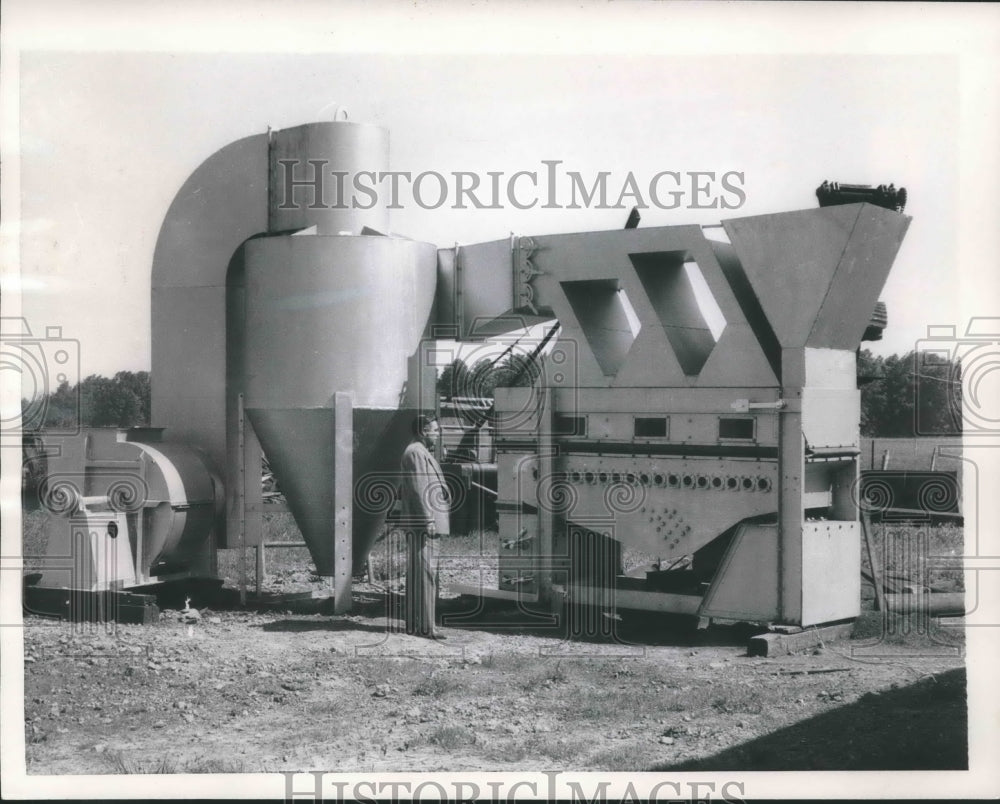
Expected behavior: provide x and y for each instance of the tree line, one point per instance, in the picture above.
(918, 393)
(119, 401)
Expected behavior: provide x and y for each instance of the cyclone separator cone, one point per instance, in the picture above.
(327, 315)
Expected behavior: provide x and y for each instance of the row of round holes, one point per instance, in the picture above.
(675, 481)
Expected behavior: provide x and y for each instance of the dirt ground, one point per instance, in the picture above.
(293, 688)
(270, 691)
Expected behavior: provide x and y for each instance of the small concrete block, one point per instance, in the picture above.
(784, 644)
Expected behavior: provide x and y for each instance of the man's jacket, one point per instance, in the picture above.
(423, 490)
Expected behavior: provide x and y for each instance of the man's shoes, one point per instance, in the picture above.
(435, 634)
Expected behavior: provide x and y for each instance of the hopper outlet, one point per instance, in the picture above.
(301, 446)
(817, 273)
(319, 456)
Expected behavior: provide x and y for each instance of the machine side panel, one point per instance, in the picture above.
(789, 259)
(761, 328)
(221, 204)
(746, 585)
(818, 272)
(830, 417)
(831, 571)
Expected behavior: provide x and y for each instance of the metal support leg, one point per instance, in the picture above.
(790, 489)
(241, 502)
(343, 496)
(544, 555)
(261, 566)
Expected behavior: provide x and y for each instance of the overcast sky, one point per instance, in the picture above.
(108, 138)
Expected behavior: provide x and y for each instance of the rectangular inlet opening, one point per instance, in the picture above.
(650, 427)
(569, 425)
(736, 429)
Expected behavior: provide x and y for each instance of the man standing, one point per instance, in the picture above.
(425, 518)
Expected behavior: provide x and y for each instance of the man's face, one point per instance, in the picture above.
(431, 434)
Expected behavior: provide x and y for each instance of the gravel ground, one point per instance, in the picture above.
(243, 691)
(247, 690)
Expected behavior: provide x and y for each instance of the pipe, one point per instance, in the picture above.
(938, 604)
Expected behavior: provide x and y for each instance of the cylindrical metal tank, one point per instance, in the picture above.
(316, 171)
(329, 314)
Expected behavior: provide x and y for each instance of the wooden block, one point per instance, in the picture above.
(773, 644)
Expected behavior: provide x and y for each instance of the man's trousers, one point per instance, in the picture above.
(421, 582)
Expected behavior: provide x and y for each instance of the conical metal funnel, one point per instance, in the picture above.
(301, 446)
(327, 315)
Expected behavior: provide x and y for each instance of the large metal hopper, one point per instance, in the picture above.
(817, 273)
(327, 315)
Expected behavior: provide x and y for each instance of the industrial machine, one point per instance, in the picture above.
(730, 456)
(127, 513)
(694, 395)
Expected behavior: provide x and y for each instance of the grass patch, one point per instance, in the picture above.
(436, 685)
(625, 757)
(550, 673)
(507, 751)
(119, 762)
(280, 527)
(452, 737)
(610, 704)
(128, 764)
(738, 701)
(215, 765)
(557, 748)
(564, 750)
(912, 629)
(385, 670)
(505, 662)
